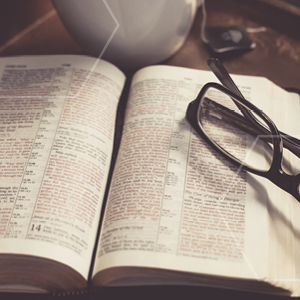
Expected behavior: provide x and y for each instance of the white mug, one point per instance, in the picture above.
(129, 33)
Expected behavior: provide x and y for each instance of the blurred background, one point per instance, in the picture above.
(33, 27)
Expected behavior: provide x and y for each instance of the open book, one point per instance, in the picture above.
(176, 213)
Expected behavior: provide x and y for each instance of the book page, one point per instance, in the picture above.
(57, 117)
(283, 210)
(286, 214)
(173, 202)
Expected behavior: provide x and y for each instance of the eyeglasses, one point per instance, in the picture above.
(241, 132)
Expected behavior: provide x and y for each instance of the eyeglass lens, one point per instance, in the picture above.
(225, 126)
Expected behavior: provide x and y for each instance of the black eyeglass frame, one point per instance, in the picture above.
(287, 182)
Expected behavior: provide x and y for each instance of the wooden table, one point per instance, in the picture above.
(32, 27)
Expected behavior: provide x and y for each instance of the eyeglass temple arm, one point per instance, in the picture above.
(241, 122)
(219, 70)
(221, 73)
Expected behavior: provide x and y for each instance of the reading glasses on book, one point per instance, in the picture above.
(241, 132)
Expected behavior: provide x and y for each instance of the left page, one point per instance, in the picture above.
(57, 118)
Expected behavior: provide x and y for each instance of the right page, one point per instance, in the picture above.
(284, 213)
(174, 204)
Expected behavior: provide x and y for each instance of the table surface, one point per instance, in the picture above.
(32, 27)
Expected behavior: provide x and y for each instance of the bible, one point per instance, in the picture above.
(175, 212)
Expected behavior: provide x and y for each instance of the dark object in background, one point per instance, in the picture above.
(228, 38)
